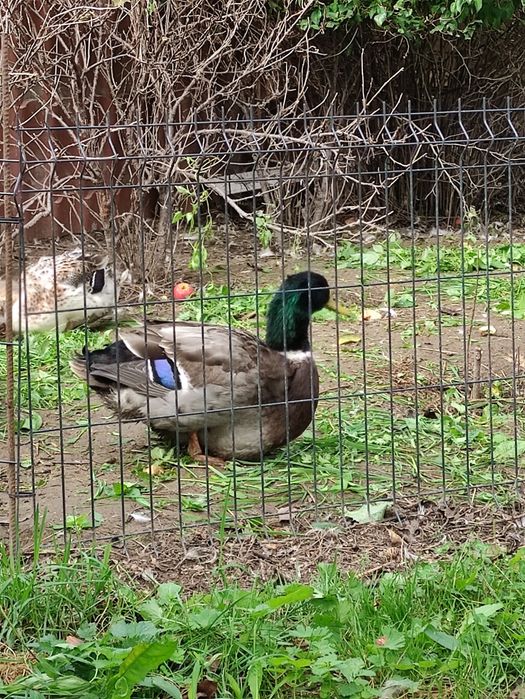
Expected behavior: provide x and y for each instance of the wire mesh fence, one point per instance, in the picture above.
(413, 220)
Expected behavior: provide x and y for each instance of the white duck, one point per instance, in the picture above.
(54, 291)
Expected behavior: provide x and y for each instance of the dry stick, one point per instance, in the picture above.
(475, 393)
(8, 252)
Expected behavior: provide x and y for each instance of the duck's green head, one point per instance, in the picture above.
(291, 308)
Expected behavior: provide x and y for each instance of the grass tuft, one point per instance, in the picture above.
(440, 629)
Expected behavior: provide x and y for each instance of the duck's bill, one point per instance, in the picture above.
(338, 308)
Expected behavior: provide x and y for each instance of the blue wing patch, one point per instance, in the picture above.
(165, 373)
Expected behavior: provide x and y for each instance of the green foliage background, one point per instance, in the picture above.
(413, 17)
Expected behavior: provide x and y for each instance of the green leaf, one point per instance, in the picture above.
(87, 631)
(441, 638)
(234, 685)
(373, 512)
(507, 450)
(168, 593)
(139, 630)
(380, 17)
(480, 615)
(142, 659)
(292, 594)
(194, 681)
(518, 557)
(81, 521)
(403, 300)
(162, 683)
(31, 422)
(151, 609)
(352, 668)
(254, 679)
(203, 619)
(371, 258)
(393, 639)
(194, 504)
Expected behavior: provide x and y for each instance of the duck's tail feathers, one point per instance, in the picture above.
(80, 367)
(82, 364)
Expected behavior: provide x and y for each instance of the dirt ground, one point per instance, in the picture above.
(411, 532)
(62, 477)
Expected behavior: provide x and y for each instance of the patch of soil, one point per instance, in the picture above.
(410, 532)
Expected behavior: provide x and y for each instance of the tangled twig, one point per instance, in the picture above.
(118, 102)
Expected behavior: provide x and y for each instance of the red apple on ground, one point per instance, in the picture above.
(182, 291)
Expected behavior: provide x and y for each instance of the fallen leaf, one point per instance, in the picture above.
(266, 253)
(372, 314)
(487, 330)
(349, 339)
(284, 514)
(373, 512)
(450, 311)
(156, 469)
(206, 689)
(73, 641)
(392, 552)
(395, 538)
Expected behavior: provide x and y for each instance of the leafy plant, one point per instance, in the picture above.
(454, 17)
(264, 232)
(195, 213)
(81, 521)
(459, 271)
(127, 489)
(442, 628)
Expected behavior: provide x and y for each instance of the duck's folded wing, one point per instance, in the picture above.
(127, 375)
(216, 356)
(192, 409)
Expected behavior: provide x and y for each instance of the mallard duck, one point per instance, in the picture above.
(64, 277)
(158, 375)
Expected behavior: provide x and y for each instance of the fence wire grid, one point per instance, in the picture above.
(412, 219)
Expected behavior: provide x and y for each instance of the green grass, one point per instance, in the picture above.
(349, 459)
(351, 453)
(42, 374)
(444, 629)
(427, 260)
(482, 266)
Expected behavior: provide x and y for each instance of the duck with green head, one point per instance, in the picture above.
(214, 387)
